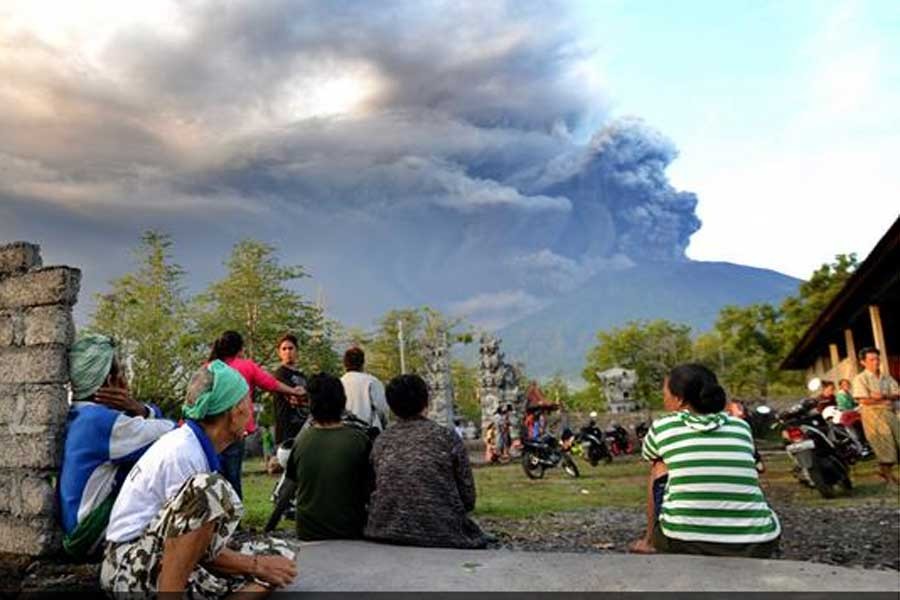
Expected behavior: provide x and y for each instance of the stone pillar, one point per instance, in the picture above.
(36, 330)
(851, 351)
(878, 336)
(439, 380)
(834, 355)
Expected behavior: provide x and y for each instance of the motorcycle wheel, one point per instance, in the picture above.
(532, 466)
(570, 467)
(828, 474)
(608, 458)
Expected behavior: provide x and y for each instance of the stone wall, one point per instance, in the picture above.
(36, 330)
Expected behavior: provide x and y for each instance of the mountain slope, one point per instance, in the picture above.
(557, 338)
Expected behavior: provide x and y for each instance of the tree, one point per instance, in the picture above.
(465, 391)
(255, 300)
(650, 348)
(147, 313)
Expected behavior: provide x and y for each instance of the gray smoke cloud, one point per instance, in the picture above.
(406, 153)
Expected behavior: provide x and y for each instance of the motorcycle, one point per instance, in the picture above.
(640, 431)
(619, 441)
(822, 453)
(548, 452)
(284, 493)
(589, 440)
(849, 421)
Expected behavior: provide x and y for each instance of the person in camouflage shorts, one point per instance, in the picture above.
(205, 498)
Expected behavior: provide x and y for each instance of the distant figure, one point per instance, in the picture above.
(291, 411)
(107, 431)
(329, 464)
(229, 348)
(712, 503)
(365, 393)
(844, 397)
(423, 482)
(826, 396)
(458, 429)
(875, 394)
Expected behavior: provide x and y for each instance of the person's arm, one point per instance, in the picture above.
(465, 482)
(275, 570)
(131, 436)
(865, 396)
(263, 380)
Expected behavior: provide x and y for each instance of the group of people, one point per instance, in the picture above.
(160, 500)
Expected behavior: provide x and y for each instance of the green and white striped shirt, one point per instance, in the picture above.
(713, 493)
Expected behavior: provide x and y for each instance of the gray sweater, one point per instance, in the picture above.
(423, 488)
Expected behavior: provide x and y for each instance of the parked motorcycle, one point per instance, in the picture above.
(589, 440)
(619, 440)
(822, 453)
(548, 452)
(641, 430)
(851, 422)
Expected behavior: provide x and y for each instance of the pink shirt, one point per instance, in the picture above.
(255, 376)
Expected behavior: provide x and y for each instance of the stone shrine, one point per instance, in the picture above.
(438, 378)
(618, 386)
(499, 385)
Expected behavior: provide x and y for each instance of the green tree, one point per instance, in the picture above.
(465, 390)
(254, 298)
(650, 348)
(147, 313)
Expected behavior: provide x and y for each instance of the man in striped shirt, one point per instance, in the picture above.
(713, 503)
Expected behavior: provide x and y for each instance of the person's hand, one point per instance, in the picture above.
(276, 570)
(119, 398)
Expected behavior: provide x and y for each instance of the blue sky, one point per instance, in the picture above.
(786, 116)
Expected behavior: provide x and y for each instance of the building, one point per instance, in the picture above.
(866, 312)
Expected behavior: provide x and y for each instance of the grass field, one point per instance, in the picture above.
(505, 492)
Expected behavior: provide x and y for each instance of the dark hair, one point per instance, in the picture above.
(698, 387)
(326, 398)
(841, 382)
(227, 346)
(827, 383)
(407, 395)
(354, 359)
(867, 351)
(288, 337)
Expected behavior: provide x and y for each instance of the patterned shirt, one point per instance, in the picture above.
(713, 492)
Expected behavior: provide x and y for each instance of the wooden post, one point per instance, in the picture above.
(851, 351)
(835, 357)
(878, 336)
(820, 367)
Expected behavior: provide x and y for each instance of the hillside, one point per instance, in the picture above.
(557, 338)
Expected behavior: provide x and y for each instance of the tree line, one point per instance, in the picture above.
(165, 334)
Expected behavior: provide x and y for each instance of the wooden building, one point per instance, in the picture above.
(866, 312)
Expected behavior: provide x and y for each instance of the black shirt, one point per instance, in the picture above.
(289, 419)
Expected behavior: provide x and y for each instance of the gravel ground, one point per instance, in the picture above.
(864, 536)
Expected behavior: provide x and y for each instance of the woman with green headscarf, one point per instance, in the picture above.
(170, 526)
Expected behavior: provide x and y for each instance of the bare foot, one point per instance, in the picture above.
(641, 546)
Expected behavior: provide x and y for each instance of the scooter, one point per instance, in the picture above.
(589, 440)
(619, 442)
(546, 453)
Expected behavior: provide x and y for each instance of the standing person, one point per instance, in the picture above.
(365, 393)
(712, 503)
(291, 411)
(170, 528)
(875, 394)
(329, 467)
(229, 349)
(423, 482)
(106, 433)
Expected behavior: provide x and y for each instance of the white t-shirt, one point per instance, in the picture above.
(363, 392)
(155, 478)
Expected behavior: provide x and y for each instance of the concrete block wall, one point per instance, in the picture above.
(36, 331)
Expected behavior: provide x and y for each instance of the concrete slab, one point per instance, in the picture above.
(364, 566)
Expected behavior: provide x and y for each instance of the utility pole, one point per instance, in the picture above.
(402, 347)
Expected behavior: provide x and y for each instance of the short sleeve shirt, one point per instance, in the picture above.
(865, 383)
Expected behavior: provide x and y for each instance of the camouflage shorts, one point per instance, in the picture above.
(134, 566)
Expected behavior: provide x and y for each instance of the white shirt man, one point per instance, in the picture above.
(365, 393)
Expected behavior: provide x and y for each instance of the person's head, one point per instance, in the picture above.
(354, 359)
(227, 346)
(327, 399)
(93, 364)
(407, 395)
(696, 387)
(287, 349)
(218, 398)
(844, 384)
(827, 389)
(870, 359)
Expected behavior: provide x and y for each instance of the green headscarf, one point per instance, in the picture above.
(90, 359)
(213, 390)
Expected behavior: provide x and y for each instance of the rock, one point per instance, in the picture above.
(53, 285)
(31, 451)
(32, 537)
(34, 364)
(49, 325)
(19, 257)
(25, 494)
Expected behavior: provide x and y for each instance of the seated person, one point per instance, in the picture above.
(826, 396)
(844, 398)
(712, 503)
(329, 465)
(107, 431)
(423, 481)
(170, 527)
